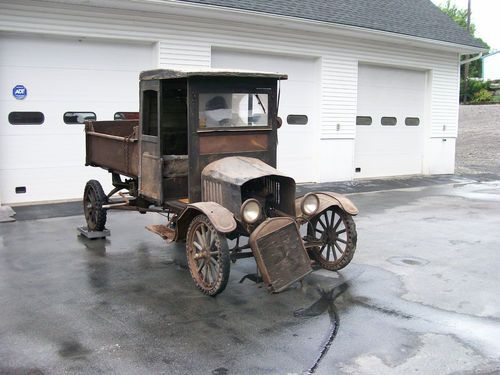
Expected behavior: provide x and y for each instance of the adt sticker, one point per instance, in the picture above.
(20, 92)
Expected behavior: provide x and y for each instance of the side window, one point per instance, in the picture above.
(126, 116)
(412, 121)
(363, 120)
(26, 118)
(388, 121)
(297, 119)
(150, 113)
(71, 118)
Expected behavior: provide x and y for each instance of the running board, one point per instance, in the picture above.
(163, 231)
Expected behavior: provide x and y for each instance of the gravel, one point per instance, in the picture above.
(478, 143)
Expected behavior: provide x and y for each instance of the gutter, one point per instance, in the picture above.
(474, 58)
(492, 53)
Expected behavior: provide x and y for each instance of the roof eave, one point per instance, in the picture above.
(322, 26)
(185, 8)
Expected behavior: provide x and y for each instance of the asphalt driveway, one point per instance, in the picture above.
(421, 295)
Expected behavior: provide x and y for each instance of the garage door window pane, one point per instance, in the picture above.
(363, 120)
(26, 118)
(78, 117)
(126, 116)
(389, 121)
(223, 110)
(297, 119)
(412, 121)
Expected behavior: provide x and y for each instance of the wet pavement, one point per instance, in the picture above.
(421, 296)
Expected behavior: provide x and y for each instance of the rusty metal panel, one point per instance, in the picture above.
(280, 253)
(217, 144)
(150, 185)
(113, 145)
(238, 170)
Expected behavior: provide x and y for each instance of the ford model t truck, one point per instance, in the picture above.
(203, 152)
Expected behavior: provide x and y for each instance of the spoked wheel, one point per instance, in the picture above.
(93, 200)
(207, 255)
(336, 230)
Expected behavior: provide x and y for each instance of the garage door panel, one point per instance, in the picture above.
(64, 85)
(37, 151)
(53, 112)
(294, 65)
(297, 97)
(41, 184)
(63, 75)
(383, 150)
(70, 53)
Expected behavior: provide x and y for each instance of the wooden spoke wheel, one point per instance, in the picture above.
(336, 230)
(93, 200)
(207, 256)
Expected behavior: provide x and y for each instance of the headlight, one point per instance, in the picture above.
(250, 211)
(310, 204)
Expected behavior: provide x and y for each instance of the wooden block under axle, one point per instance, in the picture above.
(84, 231)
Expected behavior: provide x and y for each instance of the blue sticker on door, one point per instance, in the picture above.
(19, 92)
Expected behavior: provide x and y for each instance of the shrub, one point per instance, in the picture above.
(474, 86)
(482, 95)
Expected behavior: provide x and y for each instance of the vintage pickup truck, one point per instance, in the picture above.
(203, 153)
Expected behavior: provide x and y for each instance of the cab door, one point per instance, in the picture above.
(150, 172)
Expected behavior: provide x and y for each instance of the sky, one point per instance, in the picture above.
(485, 15)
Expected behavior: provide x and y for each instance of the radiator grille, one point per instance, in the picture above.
(284, 257)
(212, 191)
(273, 187)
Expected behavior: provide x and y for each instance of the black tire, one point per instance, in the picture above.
(337, 230)
(93, 200)
(208, 261)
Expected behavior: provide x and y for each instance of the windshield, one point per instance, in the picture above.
(232, 110)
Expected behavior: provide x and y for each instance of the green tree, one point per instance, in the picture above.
(468, 88)
(460, 17)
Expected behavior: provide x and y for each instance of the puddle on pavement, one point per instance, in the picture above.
(325, 303)
(407, 261)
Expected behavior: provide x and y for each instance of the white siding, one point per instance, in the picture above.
(186, 41)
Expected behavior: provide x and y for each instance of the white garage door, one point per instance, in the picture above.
(390, 122)
(298, 98)
(46, 161)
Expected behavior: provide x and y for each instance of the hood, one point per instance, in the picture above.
(237, 170)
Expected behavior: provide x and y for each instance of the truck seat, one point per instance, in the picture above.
(175, 166)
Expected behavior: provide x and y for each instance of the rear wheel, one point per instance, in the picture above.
(336, 230)
(207, 256)
(93, 200)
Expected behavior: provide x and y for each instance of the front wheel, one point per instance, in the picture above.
(207, 256)
(336, 231)
(93, 200)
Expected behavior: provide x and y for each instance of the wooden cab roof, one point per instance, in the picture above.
(207, 72)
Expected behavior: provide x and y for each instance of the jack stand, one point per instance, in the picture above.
(92, 235)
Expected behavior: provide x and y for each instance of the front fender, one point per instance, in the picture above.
(222, 219)
(328, 199)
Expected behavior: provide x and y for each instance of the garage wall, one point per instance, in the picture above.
(188, 42)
